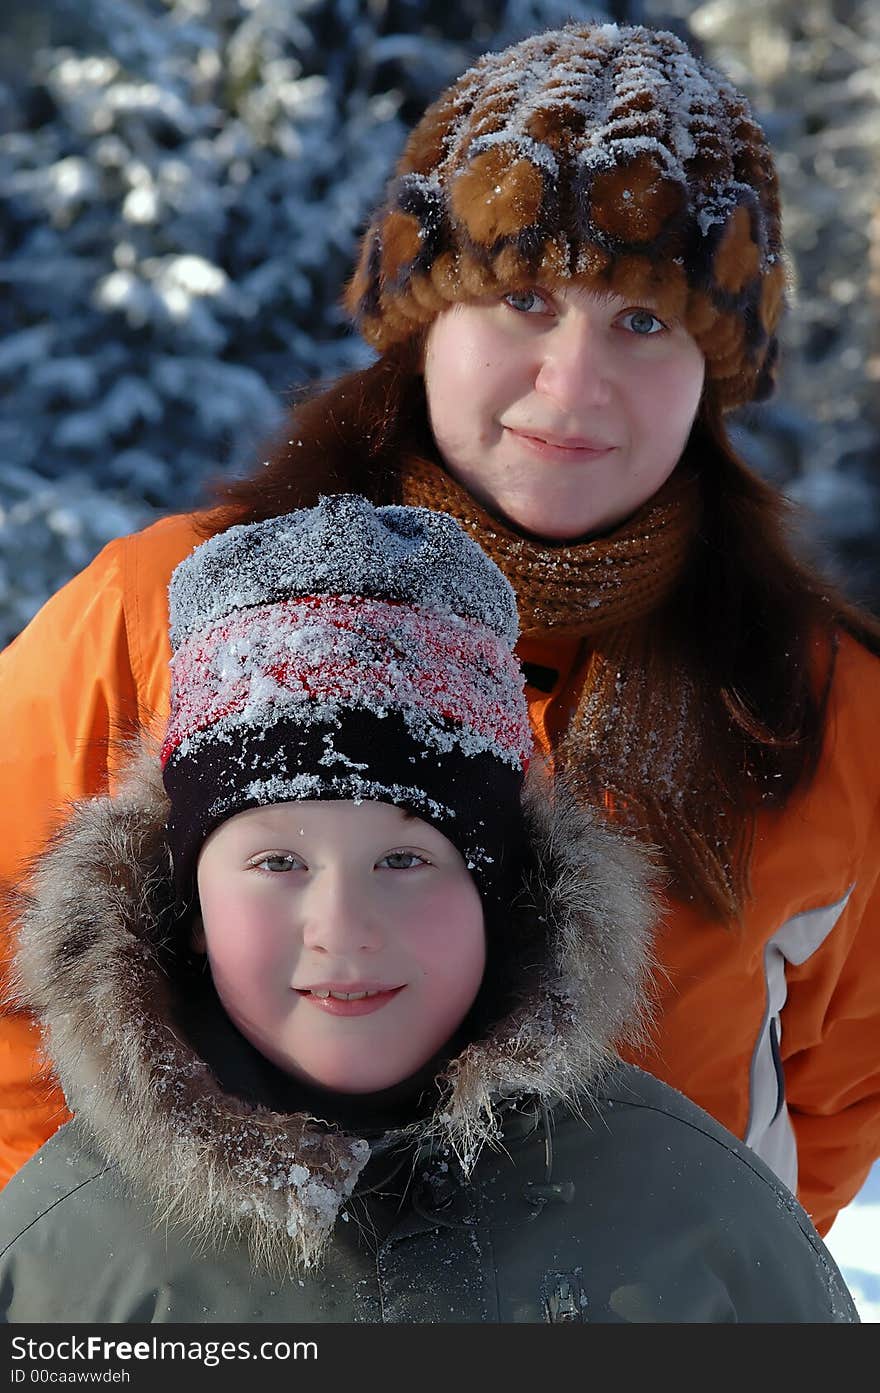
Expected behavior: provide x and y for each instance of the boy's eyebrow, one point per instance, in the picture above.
(260, 814)
(260, 827)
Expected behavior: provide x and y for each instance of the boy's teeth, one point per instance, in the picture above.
(323, 993)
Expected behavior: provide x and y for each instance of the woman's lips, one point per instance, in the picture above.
(365, 1006)
(552, 449)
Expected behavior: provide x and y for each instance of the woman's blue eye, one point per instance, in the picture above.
(402, 861)
(532, 299)
(643, 322)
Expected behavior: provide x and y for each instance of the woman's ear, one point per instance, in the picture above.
(197, 941)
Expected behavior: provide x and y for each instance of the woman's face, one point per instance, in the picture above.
(561, 410)
(305, 903)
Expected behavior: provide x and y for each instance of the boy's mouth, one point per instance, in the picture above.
(339, 1002)
(343, 996)
(366, 987)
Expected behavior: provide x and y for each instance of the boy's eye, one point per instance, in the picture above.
(275, 861)
(642, 322)
(401, 861)
(526, 302)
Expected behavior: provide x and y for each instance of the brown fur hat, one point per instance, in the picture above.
(611, 157)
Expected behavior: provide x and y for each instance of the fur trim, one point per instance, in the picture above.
(93, 965)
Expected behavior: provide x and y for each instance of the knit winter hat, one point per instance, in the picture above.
(608, 156)
(347, 652)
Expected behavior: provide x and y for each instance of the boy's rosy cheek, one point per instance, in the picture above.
(444, 953)
(237, 944)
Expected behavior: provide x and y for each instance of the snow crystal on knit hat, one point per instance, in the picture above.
(346, 652)
(343, 546)
(610, 156)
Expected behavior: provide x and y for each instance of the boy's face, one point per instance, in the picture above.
(300, 897)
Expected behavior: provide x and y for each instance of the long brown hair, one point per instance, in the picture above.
(754, 626)
(348, 436)
(765, 618)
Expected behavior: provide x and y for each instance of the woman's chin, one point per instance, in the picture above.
(557, 524)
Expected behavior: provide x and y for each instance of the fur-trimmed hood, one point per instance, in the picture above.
(96, 966)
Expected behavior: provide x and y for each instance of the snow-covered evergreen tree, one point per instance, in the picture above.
(182, 185)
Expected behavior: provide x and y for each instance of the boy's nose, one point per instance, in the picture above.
(574, 369)
(337, 919)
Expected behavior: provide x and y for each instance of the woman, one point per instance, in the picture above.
(577, 271)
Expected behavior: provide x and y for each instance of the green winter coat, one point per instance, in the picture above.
(540, 1181)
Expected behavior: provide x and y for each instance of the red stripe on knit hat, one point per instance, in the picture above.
(289, 659)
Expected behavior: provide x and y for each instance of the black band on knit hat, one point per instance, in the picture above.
(347, 652)
(472, 799)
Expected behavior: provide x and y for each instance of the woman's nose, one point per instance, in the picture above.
(575, 368)
(337, 918)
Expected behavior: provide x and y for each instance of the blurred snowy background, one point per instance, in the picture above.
(182, 183)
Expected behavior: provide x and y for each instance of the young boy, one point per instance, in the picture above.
(335, 1001)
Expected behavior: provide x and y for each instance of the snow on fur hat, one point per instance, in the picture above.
(608, 156)
(347, 652)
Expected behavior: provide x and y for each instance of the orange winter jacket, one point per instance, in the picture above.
(773, 1026)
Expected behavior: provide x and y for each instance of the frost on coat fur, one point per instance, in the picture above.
(95, 965)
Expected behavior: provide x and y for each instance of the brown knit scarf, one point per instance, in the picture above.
(637, 739)
(582, 589)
